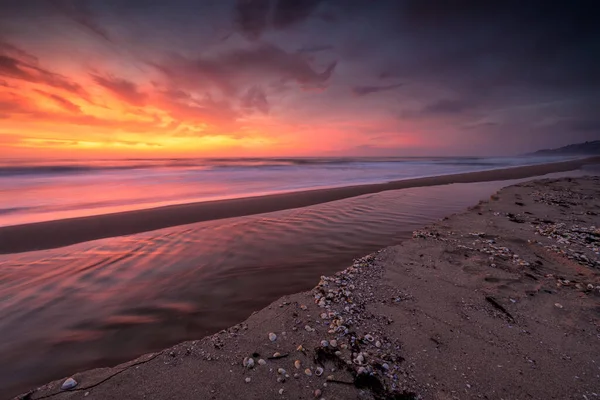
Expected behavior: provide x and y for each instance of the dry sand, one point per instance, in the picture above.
(52, 234)
(499, 302)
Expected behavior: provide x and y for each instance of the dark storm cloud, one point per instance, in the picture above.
(253, 17)
(365, 90)
(122, 88)
(290, 12)
(533, 44)
(236, 67)
(448, 107)
(315, 48)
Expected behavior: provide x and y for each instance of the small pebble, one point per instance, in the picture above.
(324, 343)
(558, 305)
(333, 343)
(317, 393)
(378, 344)
(281, 371)
(249, 362)
(247, 380)
(362, 370)
(261, 362)
(272, 337)
(69, 383)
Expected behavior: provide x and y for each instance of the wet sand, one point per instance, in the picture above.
(497, 302)
(52, 234)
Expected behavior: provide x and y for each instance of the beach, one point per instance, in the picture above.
(495, 302)
(63, 232)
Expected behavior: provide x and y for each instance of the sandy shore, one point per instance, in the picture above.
(52, 234)
(499, 302)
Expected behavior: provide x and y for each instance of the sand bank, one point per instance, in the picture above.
(52, 234)
(497, 302)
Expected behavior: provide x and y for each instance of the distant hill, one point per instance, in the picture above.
(587, 148)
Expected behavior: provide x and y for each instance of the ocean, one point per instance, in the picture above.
(56, 189)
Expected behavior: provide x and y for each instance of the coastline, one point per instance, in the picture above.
(59, 233)
(488, 303)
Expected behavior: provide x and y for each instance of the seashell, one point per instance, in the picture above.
(68, 384)
(248, 362)
(296, 376)
(300, 348)
(247, 380)
(272, 337)
(319, 371)
(303, 307)
(261, 362)
(330, 377)
(385, 366)
(317, 393)
(378, 344)
(360, 359)
(308, 329)
(297, 364)
(362, 370)
(281, 371)
(276, 354)
(323, 315)
(281, 391)
(333, 343)
(338, 353)
(369, 338)
(308, 372)
(324, 343)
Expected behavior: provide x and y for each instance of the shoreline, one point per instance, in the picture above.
(60, 233)
(488, 303)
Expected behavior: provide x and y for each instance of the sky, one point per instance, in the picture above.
(213, 78)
